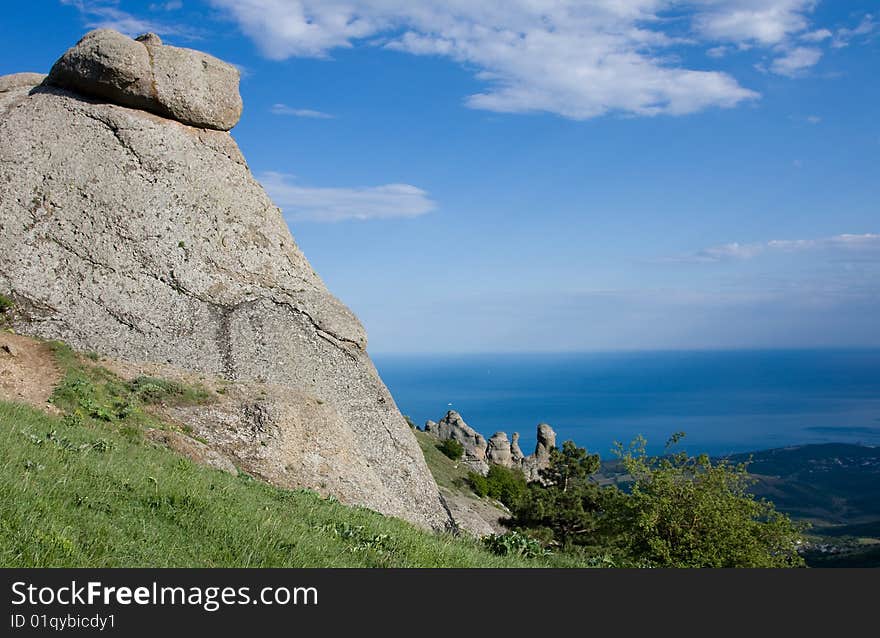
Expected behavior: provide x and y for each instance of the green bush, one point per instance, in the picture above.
(452, 448)
(504, 484)
(5, 303)
(677, 511)
(688, 511)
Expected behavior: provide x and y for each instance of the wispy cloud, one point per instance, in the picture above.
(171, 5)
(283, 109)
(795, 61)
(866, 27)
(819, 35)
(572, 58)
(106, 14)
(304, 203)
(864, 243)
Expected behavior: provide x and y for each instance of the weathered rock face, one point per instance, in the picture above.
(147, 240)
(189, 86)
(532, 465)
(452, 426)
(546, 441)
(498, 450)
(25, 81)
(516, 454)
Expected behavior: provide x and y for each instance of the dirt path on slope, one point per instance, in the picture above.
(28, 372)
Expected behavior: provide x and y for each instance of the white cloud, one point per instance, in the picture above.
(304, 203)
(283, 109)
(795, 61)
(736, 251)
(569, 57)
(867, 26)
(106, 14)
(818, 35)
(765, 22)
(813, 119)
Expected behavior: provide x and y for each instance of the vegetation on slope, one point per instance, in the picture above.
(84, 489)
(452, 475)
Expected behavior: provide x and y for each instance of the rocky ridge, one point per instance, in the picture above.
(479, 453)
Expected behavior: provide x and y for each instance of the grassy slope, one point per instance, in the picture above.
(447, 472)
(86, 490)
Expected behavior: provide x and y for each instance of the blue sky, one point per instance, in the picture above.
(538, 175)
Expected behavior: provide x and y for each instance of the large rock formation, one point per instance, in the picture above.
(479, 454)
(127, 231)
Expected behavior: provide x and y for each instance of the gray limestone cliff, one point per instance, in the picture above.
(130, 225)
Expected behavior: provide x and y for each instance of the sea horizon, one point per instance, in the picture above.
(725, 400)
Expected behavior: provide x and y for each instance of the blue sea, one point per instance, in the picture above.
(728, 401)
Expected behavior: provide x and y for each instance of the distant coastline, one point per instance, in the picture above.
(727, 401)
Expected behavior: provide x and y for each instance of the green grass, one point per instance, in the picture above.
(86, 490)
(90, 392)
(448, 473)
(86, 494)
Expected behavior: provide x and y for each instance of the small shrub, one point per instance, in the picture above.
(504, 484)
(479, 484)
(514, 544)
(152, 390)
(452, 448)
(409, 422)
(5, 303)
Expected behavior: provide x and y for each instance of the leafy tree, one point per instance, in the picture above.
(451, 448)
(685, 511)
(564, 506)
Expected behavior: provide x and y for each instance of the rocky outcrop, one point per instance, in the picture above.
(498, 450)
(146, 239)
(452, 426)
(516, 453)
(189, 86)
(532, 465)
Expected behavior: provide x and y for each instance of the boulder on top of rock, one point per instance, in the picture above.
(189, 86)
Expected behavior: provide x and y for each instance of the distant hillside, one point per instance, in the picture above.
(835, 487)
(828, 484)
